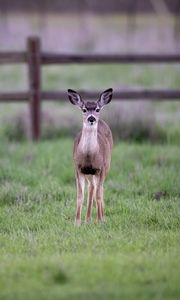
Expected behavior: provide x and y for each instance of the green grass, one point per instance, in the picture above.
(134, 255)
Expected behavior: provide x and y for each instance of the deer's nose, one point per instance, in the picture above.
(91, 119)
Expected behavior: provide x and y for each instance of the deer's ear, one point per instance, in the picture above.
(75, 98)
(105, 97)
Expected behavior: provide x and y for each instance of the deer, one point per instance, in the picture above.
(92, 154)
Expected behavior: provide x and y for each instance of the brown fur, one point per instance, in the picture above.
(92, 153)
(94, 167)
(99, 161)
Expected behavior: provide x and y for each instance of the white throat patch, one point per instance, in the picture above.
(88, 142)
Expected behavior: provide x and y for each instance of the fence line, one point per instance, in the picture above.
(48, 58)
(35, 58)
(132, 94)
(15, 57)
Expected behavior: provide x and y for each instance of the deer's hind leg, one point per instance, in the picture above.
(80, 184)
(100, 198)
(91, 193)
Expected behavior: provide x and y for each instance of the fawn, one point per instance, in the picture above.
(92, 154)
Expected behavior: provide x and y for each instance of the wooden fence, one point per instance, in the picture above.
(35, 58)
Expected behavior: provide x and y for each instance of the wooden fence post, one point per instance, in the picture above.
(34, 72)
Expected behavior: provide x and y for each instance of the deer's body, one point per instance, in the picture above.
(92, 155)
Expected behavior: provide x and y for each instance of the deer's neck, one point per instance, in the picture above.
(88, 142)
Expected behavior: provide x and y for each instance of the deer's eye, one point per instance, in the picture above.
(84, 110)
(97, 109)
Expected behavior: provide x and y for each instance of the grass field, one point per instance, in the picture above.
(134, 255)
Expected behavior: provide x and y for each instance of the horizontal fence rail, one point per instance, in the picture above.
(34, 58)
(132, 94)
(125, 94)
(109, 59)
(14, 97)
(15, 57)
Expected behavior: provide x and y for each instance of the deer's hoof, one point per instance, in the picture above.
(88, 221)
(101, 221)
(77, 223)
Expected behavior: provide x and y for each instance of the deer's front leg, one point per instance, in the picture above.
(80, 182)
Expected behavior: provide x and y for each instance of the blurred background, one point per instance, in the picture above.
(89, 26)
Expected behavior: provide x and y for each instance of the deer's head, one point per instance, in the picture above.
(90, 109)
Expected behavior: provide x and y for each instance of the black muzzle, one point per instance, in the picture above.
(91, 120)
